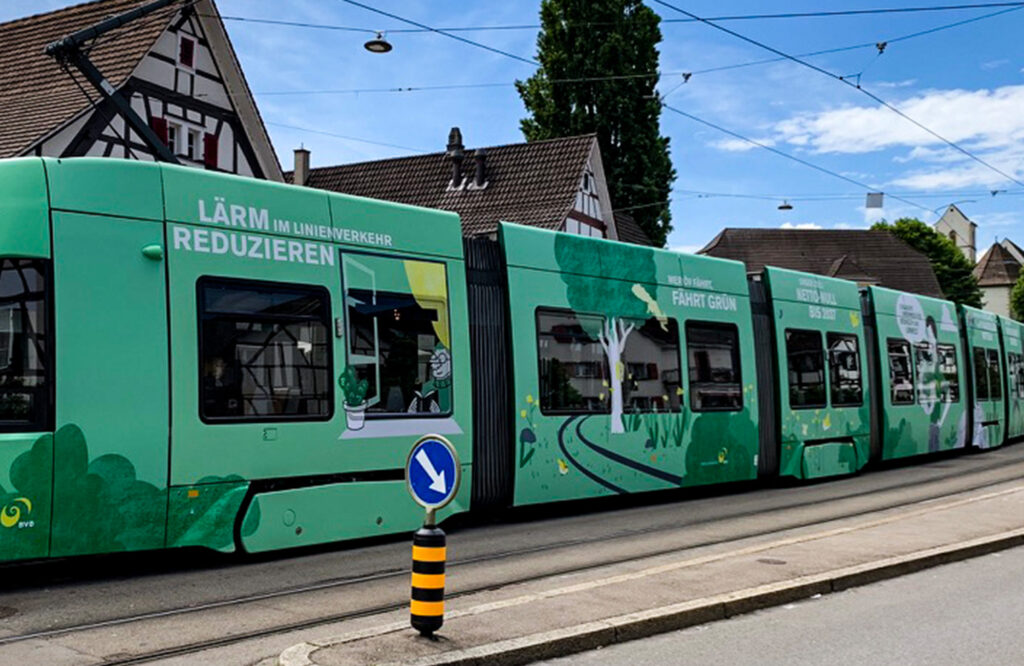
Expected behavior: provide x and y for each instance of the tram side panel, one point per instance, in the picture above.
(986, 362)
(1012, 335)
(633, 368)
(922, 374)
(112, 421)
(823, 393)
(26, 361)
(311, 348)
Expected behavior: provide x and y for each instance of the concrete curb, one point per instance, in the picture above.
(642, 624)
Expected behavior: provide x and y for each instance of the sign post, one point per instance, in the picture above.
(433, 475)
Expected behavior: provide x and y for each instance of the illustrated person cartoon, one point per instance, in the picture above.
(435, 396)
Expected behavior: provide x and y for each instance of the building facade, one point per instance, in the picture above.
(958, 228)
(177, 69)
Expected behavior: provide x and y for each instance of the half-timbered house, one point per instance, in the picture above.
(177, 68)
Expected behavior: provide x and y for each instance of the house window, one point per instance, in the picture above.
(173, 137)
(192, 145)
(186, 52)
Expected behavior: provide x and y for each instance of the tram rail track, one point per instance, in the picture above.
(1003, 474)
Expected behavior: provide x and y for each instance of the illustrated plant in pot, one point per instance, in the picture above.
(354, 390)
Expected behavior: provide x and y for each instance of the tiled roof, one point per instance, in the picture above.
(629, 230)
(997, 268)
(866, 256)
(36, 95)
(531, 183)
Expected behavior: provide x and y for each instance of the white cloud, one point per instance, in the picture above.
(799, 225)
(905, 83)
(986, 118)
(686, 249)
(995, 64)
(739, 145)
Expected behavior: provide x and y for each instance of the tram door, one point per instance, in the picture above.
(111, 439)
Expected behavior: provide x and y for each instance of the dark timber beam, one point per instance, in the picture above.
(68, 51)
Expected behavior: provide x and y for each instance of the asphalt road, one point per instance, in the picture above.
(971, 612)
(279, 589)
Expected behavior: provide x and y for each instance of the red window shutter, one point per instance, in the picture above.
(210, 150)
(159, 126)
(186, 52)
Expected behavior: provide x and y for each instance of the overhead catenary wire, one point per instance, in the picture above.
(857, 87)
(587, 24)
(593, 79)
(528, 61)
(789, 156)
(311, 130)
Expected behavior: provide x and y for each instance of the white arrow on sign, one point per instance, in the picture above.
(437, 483)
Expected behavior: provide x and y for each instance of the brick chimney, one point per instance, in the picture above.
(301, 173)
(456, 153)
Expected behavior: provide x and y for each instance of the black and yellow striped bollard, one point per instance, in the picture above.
(428, 558)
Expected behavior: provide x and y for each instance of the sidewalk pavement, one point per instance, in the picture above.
(559, 615)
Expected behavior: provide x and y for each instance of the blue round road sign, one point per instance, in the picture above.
(433, 472)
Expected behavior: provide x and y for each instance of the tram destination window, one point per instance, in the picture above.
(901, 373)
(572, 365)
(950, 373)
(844, 370)
(713, 360)
(398, 334)
(24, 346)
(264, 351)
(805, 360)
(651, 366)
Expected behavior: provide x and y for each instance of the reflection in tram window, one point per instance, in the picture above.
(844, 369)
(950, 373)
(572, 365)
(713, 356)
(264, 351)
(806, 363)
(651, 366)
(24, 346)
(901, 373)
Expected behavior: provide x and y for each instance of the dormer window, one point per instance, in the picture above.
(186, 52)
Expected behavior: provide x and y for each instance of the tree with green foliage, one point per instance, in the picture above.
(1017, 299)
(625, 307)
(596, 39)
(952, 268)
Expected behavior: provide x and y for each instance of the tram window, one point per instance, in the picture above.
(981, 377)
(901, 373)
(572, 365)
(264, 351)
(651, 378)
(844, 370)
(806, 364)
(713, 357)
(1015, 374)
(398, 334)
(24, 346)
(950, 373)
(995, 379)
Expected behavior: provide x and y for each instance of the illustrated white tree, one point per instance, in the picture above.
(625, 296)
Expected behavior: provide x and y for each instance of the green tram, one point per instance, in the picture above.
(195, 359)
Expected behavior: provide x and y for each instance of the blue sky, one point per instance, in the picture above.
(966, 83)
